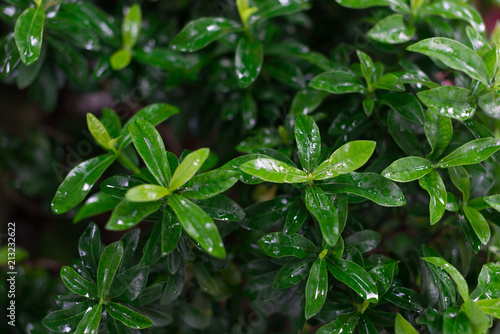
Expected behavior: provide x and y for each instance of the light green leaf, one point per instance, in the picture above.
(407, 169)
(434, 185)
(455, 10)
(490, 306)
(471, 153)
(402, 326)
(146, 193)
(209, 184)
(131, 26)
(189, 166)
(120, 59)
(273, 170)
(479, 224)
(98, 131)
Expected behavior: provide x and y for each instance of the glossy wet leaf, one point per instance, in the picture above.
(131, 26)
(120, 59)
(355, 277)
(295, 217)
(111, 122)
(129, 284)
(146, 193)
(127, 316)
(292, 273)
(198, 225)
(98, 131)
(316, 287)
(28, 34)
(389, 81)
(455, 321)
(391, 30)
(372, 186)
(345, 159)
(337, 82)
(460, 179)
(404, 104)
(469, 234)
(67, 319)
(128, 214)
(306, 101)
(108, 266)
(118, 185)
(344, 323)
(79, 182)
(471, 153)
(322, 209)
(490, 306)
(402, 326)
(455, 10)
(454, 55)
(407, 169)
(209, 184)
(459, 280)
(248, 61)
(493, 201)
(90, 322)
(274, 171)
(77, 284)
(399, 5)
(278, 245)
(89, 245)
(95, 205)
(439, 131)
(9, 55)
(405, 134)
(272, 8)
(154, 114)
(448, 101)
(221, 208)
(189, 166)
(149, 144)
(490, 104)
(488, 283)
(434, 185)
(479, 224)
(170, 232)
(201, 32)
(405, 298)
(478, 320)
(364, 241)
(308, 141)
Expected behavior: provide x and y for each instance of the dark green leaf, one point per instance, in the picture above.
(91, 320)
(460, 179)
(448, 101)
(67, 320)
(287, 73)
(118, 185)
(454, 55)
(296, 216)
(108, 265)
(308, 141)
(407, 169)
(89, 245)
(248, 61)
(292, 273)
(170, 232)
(316, 287)
(337, 82)
(434, 185)
(459, 280)
(77, 284)
(28, 34)
(128, 214)
(321, 207)
(198, 225)
(471, 153)
(273, 8)
(354, 277)
(209, 184)
(488, 283)
(439, 131)
(249, 111)
(364, 241)
(127, 316)
(479, 224)
(79, 182)
(278, 245)
(391, 30)
(406, 299)
(201, 32)
(205, 280)
(404, 104)
(344, 323)
(221, 208)
(306, 101)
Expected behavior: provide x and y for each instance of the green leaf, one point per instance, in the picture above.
(354, 277)
(471, 153)
(120, 59)
(189, 166)
(488, 283)
(455, 321)
(91, 320)
(170, 232)
(111, 122)
(292, 273)
(198, 225)
(209, 184)
(364, 241)
(372, 186)
(206, 281)
(272, 170)
(344, 323)
(28, 33)
(406, 299)
(455, 10)
(287, 73)
(149, 144)
(118, 185)
(98, 131)
(345, 159)
(89, 245)
(478, 320)
(407, 169)
(77, 284)
(402, 326)
(389, 81)
(306, 101)
(459, 280)
(337, 82)
(127, 316)
(400, 6)
(273, 8)
(96, 204)
(454, 55)
(9, 55)
(368, 105)
(249, 111)
(248, 61)
(154, 114)
(434, 185)
(493, 201)
(108, 266)
(201, 32)
(448, 101)
(404, 104)
(479, 224)
(278, 245)
(131, 26)
(366, 64)
(67, 319)
(296, 216)
(308, 141)
(391, 30)
(490, 104)
(439, 131)
(146, 193)
(490, 306)
(79, 182)
(321, 207)
(128, 214)
(316, 287)
(460, 179)
(221, 208)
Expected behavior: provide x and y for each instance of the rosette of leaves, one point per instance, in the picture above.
(107, 291)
